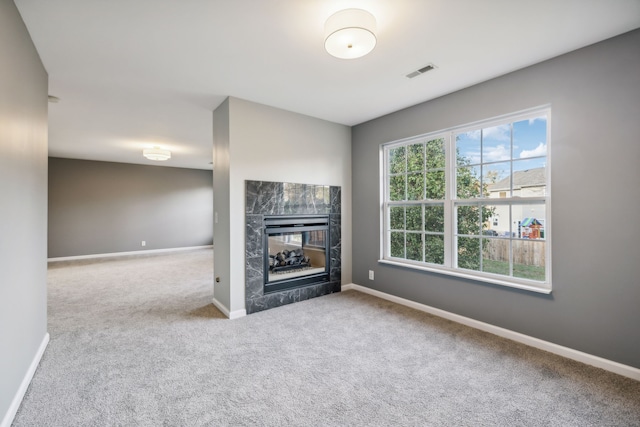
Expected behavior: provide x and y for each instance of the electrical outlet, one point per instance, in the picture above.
(370, 274)
(144, 243)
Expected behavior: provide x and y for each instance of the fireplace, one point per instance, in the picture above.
(296, 251)
(302, 223)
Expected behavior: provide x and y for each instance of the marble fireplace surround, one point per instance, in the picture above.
(284, 198)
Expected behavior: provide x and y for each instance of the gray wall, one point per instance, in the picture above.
(23, 203)
(318, 152)
(594, 95)
(221, 234)
(104, 207)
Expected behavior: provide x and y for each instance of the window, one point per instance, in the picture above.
(472, 201)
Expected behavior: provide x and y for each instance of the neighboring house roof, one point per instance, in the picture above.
(528, 222)
(527, 178)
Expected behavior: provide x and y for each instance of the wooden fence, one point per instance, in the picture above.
(525, 252)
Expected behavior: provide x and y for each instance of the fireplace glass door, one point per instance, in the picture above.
(296, 252)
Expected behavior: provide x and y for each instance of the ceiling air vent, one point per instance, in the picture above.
(421, 71)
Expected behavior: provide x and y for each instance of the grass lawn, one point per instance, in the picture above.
(519, 270)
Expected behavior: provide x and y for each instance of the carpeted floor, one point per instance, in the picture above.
(136, 342)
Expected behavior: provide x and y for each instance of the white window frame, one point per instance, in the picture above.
(450, 203)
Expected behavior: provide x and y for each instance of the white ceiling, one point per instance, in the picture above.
(133, 74)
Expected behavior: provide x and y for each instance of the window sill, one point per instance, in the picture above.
(542, 289)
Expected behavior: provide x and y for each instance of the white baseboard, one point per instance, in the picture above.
(236, 314)
(115, 254)
(569, 353)
(230, 314)
(24, 385)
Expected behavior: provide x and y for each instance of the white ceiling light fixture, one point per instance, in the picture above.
(350, 33)
(157, 154)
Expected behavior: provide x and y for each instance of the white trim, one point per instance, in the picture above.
(236, 314)
(220, 307)
(24, 385)
(569, 353)
(229, 314)
(478, 276)
(382, 160)
(116, 254)
(451, 201)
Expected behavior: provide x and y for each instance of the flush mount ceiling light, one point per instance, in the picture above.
(157, 154)
(350, 33)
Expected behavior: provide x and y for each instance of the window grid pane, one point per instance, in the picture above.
(502, 169)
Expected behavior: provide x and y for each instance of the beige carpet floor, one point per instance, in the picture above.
(137, 342)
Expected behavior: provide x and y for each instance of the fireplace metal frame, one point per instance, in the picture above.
(278, 224)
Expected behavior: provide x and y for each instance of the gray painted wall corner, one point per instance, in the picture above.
(221, 234)
(105, 207)
(23, 216)
(594, 95)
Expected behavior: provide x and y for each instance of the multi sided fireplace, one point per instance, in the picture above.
(296, 251)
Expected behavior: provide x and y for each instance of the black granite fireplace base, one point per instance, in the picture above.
(276, 299)
(264, 198)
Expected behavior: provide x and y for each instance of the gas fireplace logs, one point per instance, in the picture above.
(286, 260)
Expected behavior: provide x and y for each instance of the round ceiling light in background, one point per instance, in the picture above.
(350, 33)
(157, 154)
